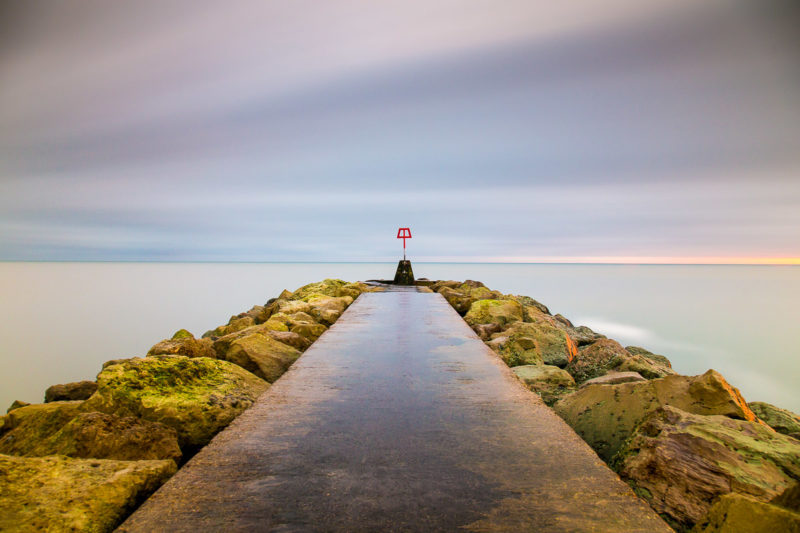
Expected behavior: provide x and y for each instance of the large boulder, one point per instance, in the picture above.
(734, 513)
(605, 355)
(195, 396)
(34, 423)
(16, 404)
(93, 435)
(330, 287)
(79, 390)
(606, 415)
(614, 378)
(184, 345)
(309, 330)
(550, 382)
(327, 309)
(58, 493)
(460, 301)
(262, 355)
(292, 339)
(660, 359)
(235, 324)
(780, 420)
(524, 343)
(680, 462)
(500, 312)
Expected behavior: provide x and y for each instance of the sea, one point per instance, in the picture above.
(60, 321)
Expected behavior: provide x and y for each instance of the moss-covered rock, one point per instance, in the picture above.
(550, 382)
(780, 420)
(16, 404)
(789, 499)
(458, 300)
(605, 355)
(234, 324)
(330, 287)
(527, 301)
(262, 355)
(501, 312)
(606, 415)
(34, 423)
(94, 435)
(195, 396)
(182, 334)
(310, 331)
(327, 309)
(516, 349)
(680, 462)
(60, 494)
(735, 513)
(660, 359)
(292, 339)
(188, 346)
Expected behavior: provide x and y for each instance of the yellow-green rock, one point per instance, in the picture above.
(330, 287)
(262, 355)
(195, 396)
(182, 334)
(551, 345)
(781, 420)
(31, 424)
(59, 494)
(606, 415)
(310, 331)
(550, 382)
(188, 346)
(502, 312)
(327, 309)
(736, 513)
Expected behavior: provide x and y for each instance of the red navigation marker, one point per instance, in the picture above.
(404, 233)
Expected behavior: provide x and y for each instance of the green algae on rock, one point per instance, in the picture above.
(606, 415)
(262, 355)
(735, 513)
(605, 355)
(31, 424)
(184, 345)
(195, 396)
(501, 312)
(550, 382)
(781, 420)
(60, 494)
(94, 435)
(680, 462)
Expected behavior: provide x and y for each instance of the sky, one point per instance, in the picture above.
(593, 131)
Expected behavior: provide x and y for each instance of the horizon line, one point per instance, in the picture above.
(585, 260)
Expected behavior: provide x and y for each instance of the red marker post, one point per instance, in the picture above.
(404, 233)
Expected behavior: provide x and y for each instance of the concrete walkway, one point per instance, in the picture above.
(397, 419)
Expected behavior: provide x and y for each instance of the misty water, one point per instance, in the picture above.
(60, 321)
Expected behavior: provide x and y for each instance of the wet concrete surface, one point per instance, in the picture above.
(397, 419)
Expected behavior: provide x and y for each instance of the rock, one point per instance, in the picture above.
(310, 331)
(438, 285)
(285, 295)
(188, 346)
(780, 420)
(527, 301)
(614, 378)
(16, 404)
(330, 287)
(660, 359)
(472, 284)
(424, 289)
(276, 322)
(95, 435)
(79, 390)
(63, 494)
(35, 422)
(460, 301)
(500, 312)
(789, 499)
(258, 313)
(597, 359)
(262, 355)
(606, 415)
(195, 396)
(535, 343)
(118, 361)
(606, 355)
(327, 309)
(234, 324)
(680, 462)
(582, 335)
(549, 381)
(292, 339)
(485, 331)
(182, 334)
(734, 513)
(291, 307)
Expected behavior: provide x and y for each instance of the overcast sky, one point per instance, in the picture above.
(306, 130)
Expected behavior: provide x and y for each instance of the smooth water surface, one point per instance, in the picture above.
(60, 321)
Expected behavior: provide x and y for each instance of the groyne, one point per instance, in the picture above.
(434, 432)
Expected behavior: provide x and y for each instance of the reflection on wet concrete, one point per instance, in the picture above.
(397, 419)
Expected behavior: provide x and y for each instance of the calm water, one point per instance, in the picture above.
(60, 321)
